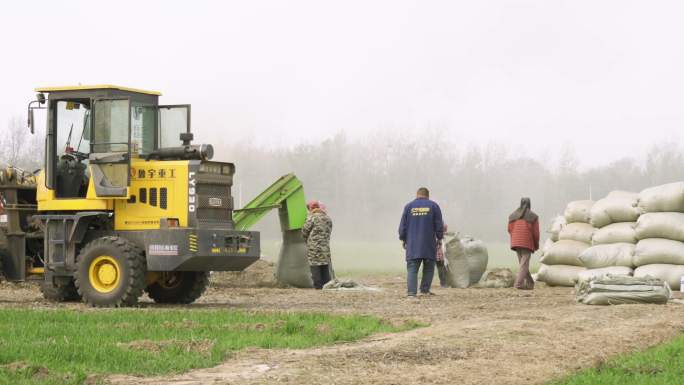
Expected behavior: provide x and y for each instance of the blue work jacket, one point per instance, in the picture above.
(420, 227)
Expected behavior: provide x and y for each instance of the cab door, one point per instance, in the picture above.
(110, 147)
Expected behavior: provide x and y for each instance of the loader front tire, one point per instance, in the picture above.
(111, 272)
(180, 287)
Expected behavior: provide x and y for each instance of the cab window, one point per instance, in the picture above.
(143, 127)
(110, 131)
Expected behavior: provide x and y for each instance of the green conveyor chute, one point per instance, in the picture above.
(286, 195)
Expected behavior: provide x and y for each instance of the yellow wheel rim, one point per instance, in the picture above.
(104, 274)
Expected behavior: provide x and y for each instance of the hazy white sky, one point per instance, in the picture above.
(605, 77)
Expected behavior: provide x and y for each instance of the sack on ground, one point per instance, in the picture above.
(581, 232)
(622, 289)
(556, 226)
(623, 232)
(663, 198)
(603, 271)
(477, 255)
(497, 278)
(578, 211)
(618, 206)
(672, 274)
(661, 225)
(458, 271)
(657, 250)
(559, 275)
(564, 253)
(615, 254)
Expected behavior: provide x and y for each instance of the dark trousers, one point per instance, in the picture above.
(320, 275)
(524, 279)
(442, 273)
(412, 267)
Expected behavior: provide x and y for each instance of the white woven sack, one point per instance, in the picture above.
(619, 206)
(658, 251)
(564, 253)
(616, 254)
(578, 211)
(559, 275)
(672, 274)
(661, 225)
(663, 198)
(615, 233)
(581, 232)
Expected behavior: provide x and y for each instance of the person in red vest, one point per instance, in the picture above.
(523, 226)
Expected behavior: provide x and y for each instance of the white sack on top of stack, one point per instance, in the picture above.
(663, 198)
(578, 211)
(615, 233)
(672, 274)
(618, 206)
(565, 252)
(603, 271)
(616, 254)
(581, 232)
(559, 275)
(669, 225)
(556, 226)
(659, 251)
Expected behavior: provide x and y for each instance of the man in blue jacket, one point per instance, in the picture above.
(420, 228)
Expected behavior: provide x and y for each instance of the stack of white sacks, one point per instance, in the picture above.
(571, 235)
(613, 242)
(660, 231)
(622, 234)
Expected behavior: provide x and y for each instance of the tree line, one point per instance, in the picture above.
(365, 182)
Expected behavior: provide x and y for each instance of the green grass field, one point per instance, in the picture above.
(358, 257)
(660, 365)
(63, 346)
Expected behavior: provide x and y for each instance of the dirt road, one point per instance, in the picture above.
(476, 336)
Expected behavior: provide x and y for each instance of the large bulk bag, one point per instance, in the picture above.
(618, 206)
(578, 211)
(477, 256)
(458, 271)
(657, 250)
(559, 275)
(293, 265)
(615, 233)
(661, 225)
(603, 271)
(581, 232)
(556, 226)
(616, 254)
(564, 253)
(663, 198)
(672, 274)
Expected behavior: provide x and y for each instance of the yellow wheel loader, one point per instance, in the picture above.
(124, 204)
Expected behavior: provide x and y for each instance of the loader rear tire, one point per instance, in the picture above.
(180, 287)
(111, 272)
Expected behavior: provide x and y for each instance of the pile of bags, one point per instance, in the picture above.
(570, 236)
(622, 289)
(660, 230)
(623, 234)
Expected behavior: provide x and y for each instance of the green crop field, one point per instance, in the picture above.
(660, 365)
(63, 346)
(357, 257)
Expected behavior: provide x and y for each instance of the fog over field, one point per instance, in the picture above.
(482, 102)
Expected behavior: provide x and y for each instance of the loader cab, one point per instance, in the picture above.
(93, 132)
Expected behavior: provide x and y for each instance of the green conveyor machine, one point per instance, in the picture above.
(286, 195)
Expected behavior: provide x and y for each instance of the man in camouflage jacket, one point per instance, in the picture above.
(316, 232)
